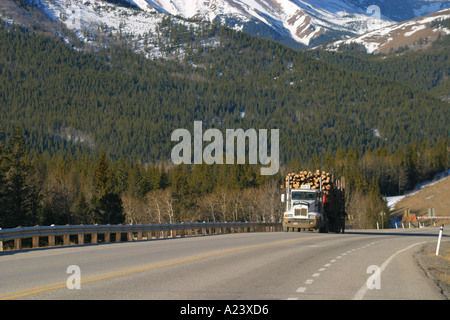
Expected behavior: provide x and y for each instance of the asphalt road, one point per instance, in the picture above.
(258, 266)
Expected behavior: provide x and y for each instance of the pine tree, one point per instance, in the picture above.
(163, 178)
(376, 209)
(108, 207)
(21, 193)
(3, 180)
(102, 177)
(82, 211)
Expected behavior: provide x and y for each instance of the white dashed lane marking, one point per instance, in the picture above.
(324, 268)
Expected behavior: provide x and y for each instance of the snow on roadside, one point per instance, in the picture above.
(392, 201)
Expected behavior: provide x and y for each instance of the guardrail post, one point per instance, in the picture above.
(66, 239)
(51, 240)
(107, 237)
(17, 243)
(129, 236)
(35, 242)
(93, 237)
(118, 236)
(80, 238)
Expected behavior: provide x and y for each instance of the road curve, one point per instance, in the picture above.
(366, 264)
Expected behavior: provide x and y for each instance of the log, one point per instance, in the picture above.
(311, 178)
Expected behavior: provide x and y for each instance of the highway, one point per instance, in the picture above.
(357, 265)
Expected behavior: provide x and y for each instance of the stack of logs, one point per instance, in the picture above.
(312, 179)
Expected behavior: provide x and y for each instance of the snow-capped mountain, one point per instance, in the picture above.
(414, 33)
(296, 23)
(301, 22)
(293, 22)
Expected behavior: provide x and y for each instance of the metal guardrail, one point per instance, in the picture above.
(133, 232)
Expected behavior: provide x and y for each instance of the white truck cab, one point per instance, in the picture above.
(303, 209)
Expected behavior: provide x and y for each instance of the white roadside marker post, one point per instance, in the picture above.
(439, 240)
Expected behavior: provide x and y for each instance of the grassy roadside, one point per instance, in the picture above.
(436, 268)
(433, 196)
(445, 261)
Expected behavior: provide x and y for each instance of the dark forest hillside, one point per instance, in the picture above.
(70, 102)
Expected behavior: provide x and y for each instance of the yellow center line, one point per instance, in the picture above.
(60, 285)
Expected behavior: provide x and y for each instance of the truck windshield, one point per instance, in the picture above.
(303, 195)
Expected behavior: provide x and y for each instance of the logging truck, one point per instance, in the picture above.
(313, 203)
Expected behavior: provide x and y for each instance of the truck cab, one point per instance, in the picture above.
(304, 209)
